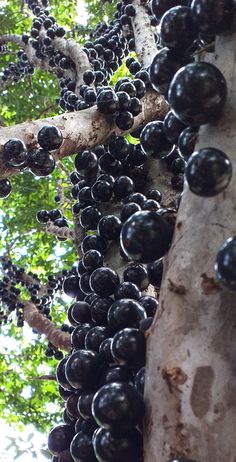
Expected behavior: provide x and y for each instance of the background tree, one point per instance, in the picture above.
(191, 389)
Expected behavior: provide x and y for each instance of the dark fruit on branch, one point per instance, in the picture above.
(116, 374)
(197, 93)
(93, 242)
(164, 66)
(118, 407)
(90, 217)
(85, 162)
(5, 188)
(125, 120)
(125, 313)
(145, 237)
(92, 260)
(42, 216)
(128, 348)
(150, 304)
(109, 227)
(177, 28)
(99, 309)
(81, 448)
(123, 186)
(139, 381)
(187, 141)
(60, 438)
(103, 281)
(95, 336)
(225, 266)
(50, 137)
(172, 127)
(15, 152)
(153, 141)
(71, 286)
(82, 369)
(128, 210)
(160, 7)
(212, 23)
(111, 447)
(137, 274)
(102, 191)
(40, 162)
(127, 290)
(107, 102)
(208, 172)
(155, 272)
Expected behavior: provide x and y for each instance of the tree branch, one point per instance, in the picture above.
(72, 49)
(14, 38)
(46, 327)
(145, 45)
(80, 130)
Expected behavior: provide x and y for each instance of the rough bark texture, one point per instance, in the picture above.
(35, 320)
(190, 387)
(80, 130)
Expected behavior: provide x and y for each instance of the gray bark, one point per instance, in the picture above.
(81, 130)
(190, 390)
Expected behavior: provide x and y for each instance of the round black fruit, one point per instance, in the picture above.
(103, 281)
(197, 93)
(225, 266)
(50, 137)
(208, 172)
(145, 237)
(117, 406)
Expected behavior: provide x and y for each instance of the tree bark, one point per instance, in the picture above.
(81, 130)
(45, 327)
(190, 389)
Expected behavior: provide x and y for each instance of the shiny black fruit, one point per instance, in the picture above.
(177, 28)
(50, 137)
(208, 172)
(117, 406)
(145, 237)
(197, 93)
(225, 266)
(111, 447)
(128, 348)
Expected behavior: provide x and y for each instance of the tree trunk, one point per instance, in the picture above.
(190, 389)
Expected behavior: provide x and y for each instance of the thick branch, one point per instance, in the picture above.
(145, 45)
(44, 326)
(190, 387)
(14, 38)
(72, 49)
(80, 130)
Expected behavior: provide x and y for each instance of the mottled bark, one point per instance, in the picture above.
(190, 390)
(46, 327)
(145, 45)
(81, 130)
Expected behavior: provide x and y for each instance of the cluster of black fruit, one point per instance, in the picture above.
(196, 93)
(14, 279)
(42, 33)
(19, 69)
(38, 159)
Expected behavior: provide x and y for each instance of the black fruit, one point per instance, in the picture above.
(145, 237)
(117, 407)
(208, 172)
(225, 266)
(111, 447)
(103, 281)
(128, 348)
(50, 137)
(197, 93)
